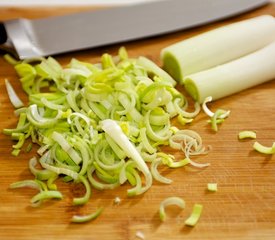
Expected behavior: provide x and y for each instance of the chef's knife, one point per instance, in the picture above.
(54, 35)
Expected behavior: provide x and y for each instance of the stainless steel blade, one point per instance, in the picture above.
(43, 37)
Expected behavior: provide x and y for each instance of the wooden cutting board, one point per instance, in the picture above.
(243, 207)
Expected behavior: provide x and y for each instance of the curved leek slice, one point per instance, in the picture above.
(39, 121)
(86, 218)
(190, 143)
(58, 170)
(41, 174)
(208, 112)
(10, 59)
(182, 112)
(27, 183)
(157, 136)
(195, 215)
(188, 140)
(15, 100)
(247, 134)
(138, 184)
(263, 149)
(99, 185)
(44, 195)
(215, 118)
(145, 142)
(169, 201)
(157, 176)
(86, 197)
(153, 68)
(52, 105)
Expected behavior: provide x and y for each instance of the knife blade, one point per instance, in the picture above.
(55, 35)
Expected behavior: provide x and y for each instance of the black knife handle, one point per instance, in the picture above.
(5, 44)
(3, 34)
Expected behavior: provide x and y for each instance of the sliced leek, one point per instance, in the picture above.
(263, 149)
(86, 218)
(15, 100)
(100, 124)
(247, 134)
(212, 187)
(195, 215)
(167, 202)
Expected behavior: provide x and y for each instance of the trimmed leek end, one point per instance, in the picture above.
(247, 134)
(263, 149)
(169, 201)
(172, 66)
(201, 52)
(232, 77)
(212, 187)
(86, 218)
(195, 215)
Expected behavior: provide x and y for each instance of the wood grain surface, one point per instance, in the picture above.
(243, 207)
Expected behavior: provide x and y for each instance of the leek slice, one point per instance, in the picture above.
(212, 187)
(86, 218)
(60, 139)
(263, 149)
(15, 100)
(218, 115)
(10, 59)
(169, 201)
(153, 68)
(156, 173)
(195, 215)
(100, 185)
(209, 112)
(44, 195)
(41, 174)
(191, 144)
(86, 197)
(247, 134)
(27, 183)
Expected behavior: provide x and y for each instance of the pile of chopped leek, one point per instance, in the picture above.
(101, 125)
